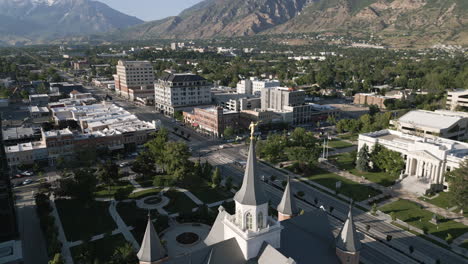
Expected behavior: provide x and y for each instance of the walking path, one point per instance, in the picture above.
(121, 226)
(459, 240)
(66, 254)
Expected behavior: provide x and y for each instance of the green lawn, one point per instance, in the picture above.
(338, 144)
(349, 136)
(443, 200)
(179, 202)
(142, 194)
(411, 213)
(345, 161)
(100, 250)
(354, 190)
(106, 191)
(80, 222)
(210, 195)
(145, 181)
(134, 216)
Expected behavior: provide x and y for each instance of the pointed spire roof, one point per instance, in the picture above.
(287, 206)
(151, 249)
(348, 239)
(251, 192)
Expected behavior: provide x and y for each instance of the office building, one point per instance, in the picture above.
(134, 79)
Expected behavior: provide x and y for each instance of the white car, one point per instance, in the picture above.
(27, 173)
(28, 181)
(123, 164)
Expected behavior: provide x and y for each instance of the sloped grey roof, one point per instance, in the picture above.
(308, 238)
(225, 252)
(251, 192)
(347, 239)
(217, 230)
(270, 255)
(151, 249)
(287, 206)
(181, 77)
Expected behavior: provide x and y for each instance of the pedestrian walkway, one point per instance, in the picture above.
(66, 254)
(459, 240)
(402, 194)
(121, 226)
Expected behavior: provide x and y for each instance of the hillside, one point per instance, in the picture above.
(397, 22)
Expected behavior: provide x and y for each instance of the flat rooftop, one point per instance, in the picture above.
(436, 120)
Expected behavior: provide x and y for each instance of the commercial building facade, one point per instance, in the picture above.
(180, 91)
(212, 120)
(134, 79)
(254, 86)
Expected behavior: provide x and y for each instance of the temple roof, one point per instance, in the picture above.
(151, 249)
(251, 193)
(347, 239)
(287, 206)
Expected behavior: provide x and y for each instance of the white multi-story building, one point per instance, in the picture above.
(180, 91)
(134, 79)
(457, 99)
(254, 86)
(278, 98)
(427, 160)
(440, 123)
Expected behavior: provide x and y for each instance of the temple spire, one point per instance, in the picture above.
(251, 192)
(287, 207)
(151, 250)
(347, 243)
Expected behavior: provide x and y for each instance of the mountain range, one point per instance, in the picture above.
(36, 21)
(407, 22)
(395, 22)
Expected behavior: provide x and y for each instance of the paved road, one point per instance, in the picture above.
(32, 239)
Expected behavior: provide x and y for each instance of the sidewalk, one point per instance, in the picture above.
(121, 226)
(66, 254)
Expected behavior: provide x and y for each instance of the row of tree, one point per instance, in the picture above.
(380, 159)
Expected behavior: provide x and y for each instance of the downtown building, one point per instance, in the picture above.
(457, 100)
(175, 92)
(98, 126)
(134, 80)
(254, 86)
(212, 120)
(291, 106)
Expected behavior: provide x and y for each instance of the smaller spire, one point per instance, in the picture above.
(151, 249)
(287, 206)
(348, 239)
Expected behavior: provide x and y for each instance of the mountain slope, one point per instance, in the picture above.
(407, 21)
(31, 20)
(222, 18)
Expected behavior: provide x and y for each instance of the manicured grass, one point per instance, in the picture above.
(443, 200)
(101, 250)
(179, 202)
(141, 194)
(345, 161)
(145, 181)
(338, 144)
(106, 191)
(80, 222)
(134, 216)
(210, 195)
(411, 213)
(349, 136)
(354, 190)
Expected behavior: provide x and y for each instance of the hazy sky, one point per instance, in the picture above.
(150, 9)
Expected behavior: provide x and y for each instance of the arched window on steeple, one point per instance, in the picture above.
(260, 220)
(248, 221)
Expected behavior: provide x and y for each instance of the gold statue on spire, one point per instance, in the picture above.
(252, 129)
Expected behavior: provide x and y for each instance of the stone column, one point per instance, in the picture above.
(408, 165)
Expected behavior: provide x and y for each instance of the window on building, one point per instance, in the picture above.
(260, 220)
(248, 221)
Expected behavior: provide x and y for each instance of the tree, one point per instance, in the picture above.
(393, 216)
(124, 255)
(108, 173)
(144, 164)
(57, 259)
(362, 163)
(156, 146)
(216, 178)
(228, 183)
(458, 181)
(373, 109)
(449, 238)
(228, 132)
(374, 209)
(81, 186)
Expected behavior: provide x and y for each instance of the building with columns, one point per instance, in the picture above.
(427, 159)
(250, 235)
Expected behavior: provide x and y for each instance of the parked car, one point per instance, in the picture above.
(123, 164)
(27, 173)
(18, 176)
(28, 181)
